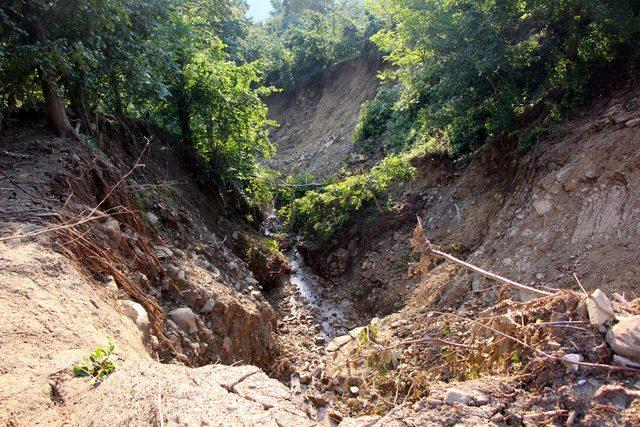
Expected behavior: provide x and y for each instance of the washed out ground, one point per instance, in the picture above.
(165, 275)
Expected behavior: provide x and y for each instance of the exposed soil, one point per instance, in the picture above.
(317, 118)
(151, 260)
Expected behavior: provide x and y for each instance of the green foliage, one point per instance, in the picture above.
(475, 71)
(382, 117)
(323, 213)
(98, 365)
(303, 37)
(172, 62)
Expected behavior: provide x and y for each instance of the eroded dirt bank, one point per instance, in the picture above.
(317, 118)
(144, 257)
(569, 206)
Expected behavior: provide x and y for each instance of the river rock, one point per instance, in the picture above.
(624, 338)
(457, 396)
(542, 207)
(570, 361)
(137, 313)
(599, 308)
(208, 306)
(112, 229)
(185, 319)
(153, 220)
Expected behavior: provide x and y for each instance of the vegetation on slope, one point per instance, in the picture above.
(472, 72)
(467, 73)
(463, 74)
(170, 62)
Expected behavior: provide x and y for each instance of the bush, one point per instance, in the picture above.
(476, 71)
(324, 213)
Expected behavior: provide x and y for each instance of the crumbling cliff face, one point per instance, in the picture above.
(317, 118)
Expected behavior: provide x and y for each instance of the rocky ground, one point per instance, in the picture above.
(96, 247)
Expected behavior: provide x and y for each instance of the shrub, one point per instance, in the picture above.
(98, 365)
(323, 213)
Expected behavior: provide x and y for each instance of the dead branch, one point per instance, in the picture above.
(420, 242)
(580, 284)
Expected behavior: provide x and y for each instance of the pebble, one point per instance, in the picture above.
(185, 319)
(570, 359)
(354, 390)
(208, 306)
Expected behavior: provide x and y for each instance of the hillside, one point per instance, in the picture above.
(353, 213)
(317, 118)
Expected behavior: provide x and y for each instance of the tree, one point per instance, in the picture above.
(25, 18)
(475, 72)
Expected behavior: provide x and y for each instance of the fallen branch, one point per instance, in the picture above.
(420, 242)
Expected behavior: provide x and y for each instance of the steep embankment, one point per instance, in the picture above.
(317, 118)
(136, 254)
(568, 206)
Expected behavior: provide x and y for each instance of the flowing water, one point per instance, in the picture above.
(310, 296)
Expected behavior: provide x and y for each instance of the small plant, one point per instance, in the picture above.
(98, 365)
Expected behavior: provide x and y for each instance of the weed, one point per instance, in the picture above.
(98, 365)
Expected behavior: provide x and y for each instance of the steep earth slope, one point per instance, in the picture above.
(569, 206)
(317, 118)
(81, 265)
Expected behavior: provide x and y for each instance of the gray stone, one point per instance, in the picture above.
(457, 396)
(163, 252)
(137, 313)
(251, 281)
(185, 319)
(542, 207)
(599, 308)
(624, 338)
(153, 220)
(208, 306)
(570, 361)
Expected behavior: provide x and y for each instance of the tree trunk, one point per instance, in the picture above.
(55, 108)
(53, 100)
(117, 96)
